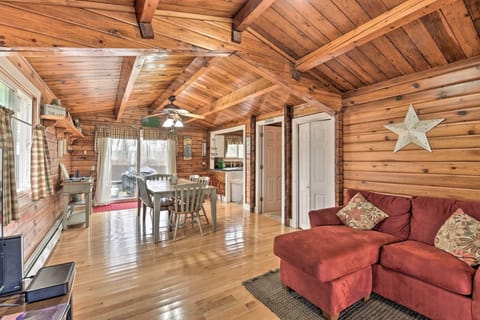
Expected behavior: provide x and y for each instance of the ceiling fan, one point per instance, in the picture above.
(174, 113)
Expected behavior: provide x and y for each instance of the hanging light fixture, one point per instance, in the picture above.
(168, 122)
(173, 121)
(178, 121)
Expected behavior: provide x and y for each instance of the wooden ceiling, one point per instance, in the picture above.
(93, 57)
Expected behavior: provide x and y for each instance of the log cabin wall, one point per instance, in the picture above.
(36, 218)
(87, 163)
(452, 169)
(198, 164)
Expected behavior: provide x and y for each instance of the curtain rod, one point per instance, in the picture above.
(22, 121)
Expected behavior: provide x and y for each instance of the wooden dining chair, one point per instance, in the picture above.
(205, 180)
(146, 198)
(188, 202)
(194, 177)
(158, 177)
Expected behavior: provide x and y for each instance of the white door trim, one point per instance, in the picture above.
(223, 131)
(294, 223)
(258, 153)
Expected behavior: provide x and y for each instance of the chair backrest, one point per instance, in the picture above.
(189, 197)
(159, 176)
(205, 180)
(194, 177)
(143, 193)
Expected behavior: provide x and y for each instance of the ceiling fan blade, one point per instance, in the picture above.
(192, 115)
(154, 115)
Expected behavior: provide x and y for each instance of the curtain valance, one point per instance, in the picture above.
(155, 134)
(117, 132)
(233, 140)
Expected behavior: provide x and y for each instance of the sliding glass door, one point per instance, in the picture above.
(123, 168)
(155, 157)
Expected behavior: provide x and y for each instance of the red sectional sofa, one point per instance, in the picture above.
(333, 265)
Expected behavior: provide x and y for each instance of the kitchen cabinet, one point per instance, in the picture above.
(224, 179)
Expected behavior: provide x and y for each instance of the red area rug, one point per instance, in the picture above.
(116, 206)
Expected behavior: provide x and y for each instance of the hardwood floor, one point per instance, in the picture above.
(122, 274)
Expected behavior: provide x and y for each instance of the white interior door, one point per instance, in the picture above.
(272, 169)
(303, 175)
(316, 168)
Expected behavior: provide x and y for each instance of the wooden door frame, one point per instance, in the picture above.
(211, 165)
(295, 126)
(258, 173)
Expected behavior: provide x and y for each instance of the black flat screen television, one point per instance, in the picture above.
(11, 253)
(1, 220)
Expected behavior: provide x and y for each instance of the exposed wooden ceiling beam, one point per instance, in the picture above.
(247, 14)
(131, 67)
(259, 57)
(145, 10)
(306, 89)
(109, 52)
(191, 73)
(79, 4)
(194, 16)
(191, 35)
(395, 18)
(250, 91)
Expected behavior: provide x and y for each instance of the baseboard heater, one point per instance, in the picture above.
(38, 258)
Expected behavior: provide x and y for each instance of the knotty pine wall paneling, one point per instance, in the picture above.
(198, 164)
(451, 170)
(87, 166)
(36, 218)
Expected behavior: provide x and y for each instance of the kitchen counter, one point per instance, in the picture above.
(229, 169)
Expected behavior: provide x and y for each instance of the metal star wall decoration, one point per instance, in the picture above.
(413, 130)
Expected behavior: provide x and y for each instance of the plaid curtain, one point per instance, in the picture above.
(10, 202)
(42, 184)
(115, 132)
(155, 134)
(233, 140)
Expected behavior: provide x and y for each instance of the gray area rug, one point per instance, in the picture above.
(289, 305)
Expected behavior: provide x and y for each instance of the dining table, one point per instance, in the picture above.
(165, 189)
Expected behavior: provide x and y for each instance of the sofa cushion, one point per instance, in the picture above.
(397, 208)
(429, 214)
(460, 236)
(428, 264)
(329, 252)
(361, 214)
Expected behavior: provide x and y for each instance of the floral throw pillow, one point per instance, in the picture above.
(460, 236)
(361, 214)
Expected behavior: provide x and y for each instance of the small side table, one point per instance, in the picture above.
(75, 186)
(57, 308)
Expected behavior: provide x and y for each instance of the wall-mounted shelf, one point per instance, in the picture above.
(65, 123)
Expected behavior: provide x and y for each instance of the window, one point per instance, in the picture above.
(154, 159)
(155, 155)
(234, 147)
(21, 104)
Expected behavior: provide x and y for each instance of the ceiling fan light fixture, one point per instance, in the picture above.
(173, 120)
(168, 123)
